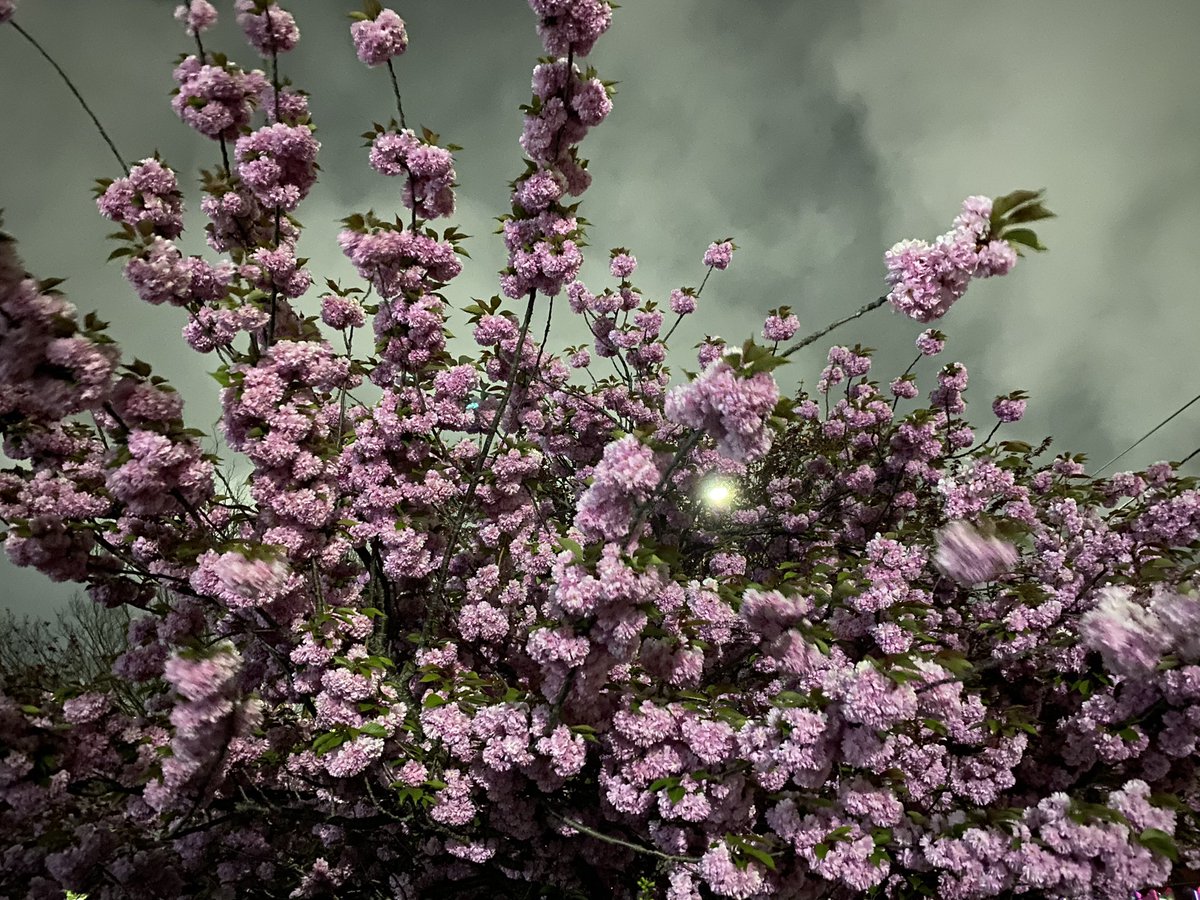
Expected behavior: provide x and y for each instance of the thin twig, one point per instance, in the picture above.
(816, 335)
(452, 544)
(638, 848)
(1146, 435)
(275, 86)
(87, 109)
(537, 365)
(643, 510)
(396, 91)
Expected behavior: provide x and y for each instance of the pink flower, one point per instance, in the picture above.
(780, 328)
(719, 255)
(429, 171)
(683, 302)
(249, 581)
(273, 30)
(412, 774)
(196, 16)
(624, 477)
(378, 40)
(1129, 636)
(354, 756)
(734, 411)
(926, 279)
(931, 342)
(591, 102)
(341, 312)
(86, 707)
(1008, 409)
(149, 193)
(216, 100)
(278, 164)
(571, 25)
(164, 275)
(969, 557)
(726, 878)
(622, 265)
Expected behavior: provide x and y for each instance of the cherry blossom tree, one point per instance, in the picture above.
(561, 622)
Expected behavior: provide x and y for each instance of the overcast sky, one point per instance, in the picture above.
(815, 133)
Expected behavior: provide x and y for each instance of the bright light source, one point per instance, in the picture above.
(718, 493)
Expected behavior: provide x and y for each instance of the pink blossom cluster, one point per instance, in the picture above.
(542, 236)
(196, 16)
(239, 582)
(278, 270)
(624, 477)
(571, 26)
(216, 100)
(926, 279)
(48, 369)
(216, 327)
(284, 106)
(780, 327)
(150, 193)
(278, 164)
(1133, 637)
(970, 557)
(719, 254)
(237, 219)
(429, 189)
(396, 261)
(733, 410)
(159, 474)
(379, 39)
(162, 274)
(268, 28)
(207, 717)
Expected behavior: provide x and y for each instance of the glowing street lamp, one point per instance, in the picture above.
(718, 493)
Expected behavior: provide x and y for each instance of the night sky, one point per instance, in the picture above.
(816, 134)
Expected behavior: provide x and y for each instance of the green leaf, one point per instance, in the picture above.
(1002, 205)
(373, 729)
(1024, 237)
(1034, 212)
(328, 742)
(747, 849)
(139, 367)
(838, 834)
(1158, 841)
(954, 661)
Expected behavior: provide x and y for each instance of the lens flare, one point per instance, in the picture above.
(718, 493)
